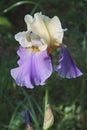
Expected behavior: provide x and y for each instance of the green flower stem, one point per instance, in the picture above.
(46, 102)
(48, 115)
(46, 96)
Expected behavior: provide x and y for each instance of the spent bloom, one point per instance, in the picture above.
(42, 37)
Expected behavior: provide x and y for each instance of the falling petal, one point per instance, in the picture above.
(66, 67)
(34, 68)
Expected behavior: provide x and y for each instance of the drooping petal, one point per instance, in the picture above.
(34, 68)
(22, 74)
(42, 67)
(66, 67)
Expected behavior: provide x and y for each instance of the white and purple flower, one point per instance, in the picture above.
(42, 37)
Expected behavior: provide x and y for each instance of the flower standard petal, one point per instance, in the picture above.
(55, 29)
(66, 67)
(34, 68)
(28, 20)
(38, 26)
(49, 29)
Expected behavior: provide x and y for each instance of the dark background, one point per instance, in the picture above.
(68, 98)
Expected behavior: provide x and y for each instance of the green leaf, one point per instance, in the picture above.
(5, 22)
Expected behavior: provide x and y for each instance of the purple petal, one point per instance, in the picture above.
(27, 117)
(34, 68)
(66, 67)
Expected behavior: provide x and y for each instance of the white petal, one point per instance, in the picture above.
(40, 44)
(45, 18)
(28, 19)
(21, 38)
(36, 43)
(38, 27)
(43, 47)
(55, 29)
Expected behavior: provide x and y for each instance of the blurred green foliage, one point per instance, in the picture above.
(67, 97)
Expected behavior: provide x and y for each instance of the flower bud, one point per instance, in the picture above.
(27, 120)
(48, 118)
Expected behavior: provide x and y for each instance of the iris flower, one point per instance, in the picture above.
(42, 37)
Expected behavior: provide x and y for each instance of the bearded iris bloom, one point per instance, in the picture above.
(42, 37)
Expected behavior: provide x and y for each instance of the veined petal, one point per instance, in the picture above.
(34, 68)
(42, 67)
(22, 74)
(66, 67)
(21, 37)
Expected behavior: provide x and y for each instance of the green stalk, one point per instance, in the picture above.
(46, 96)
(46, 102)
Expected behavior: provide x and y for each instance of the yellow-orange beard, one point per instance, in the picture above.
(50, 48)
